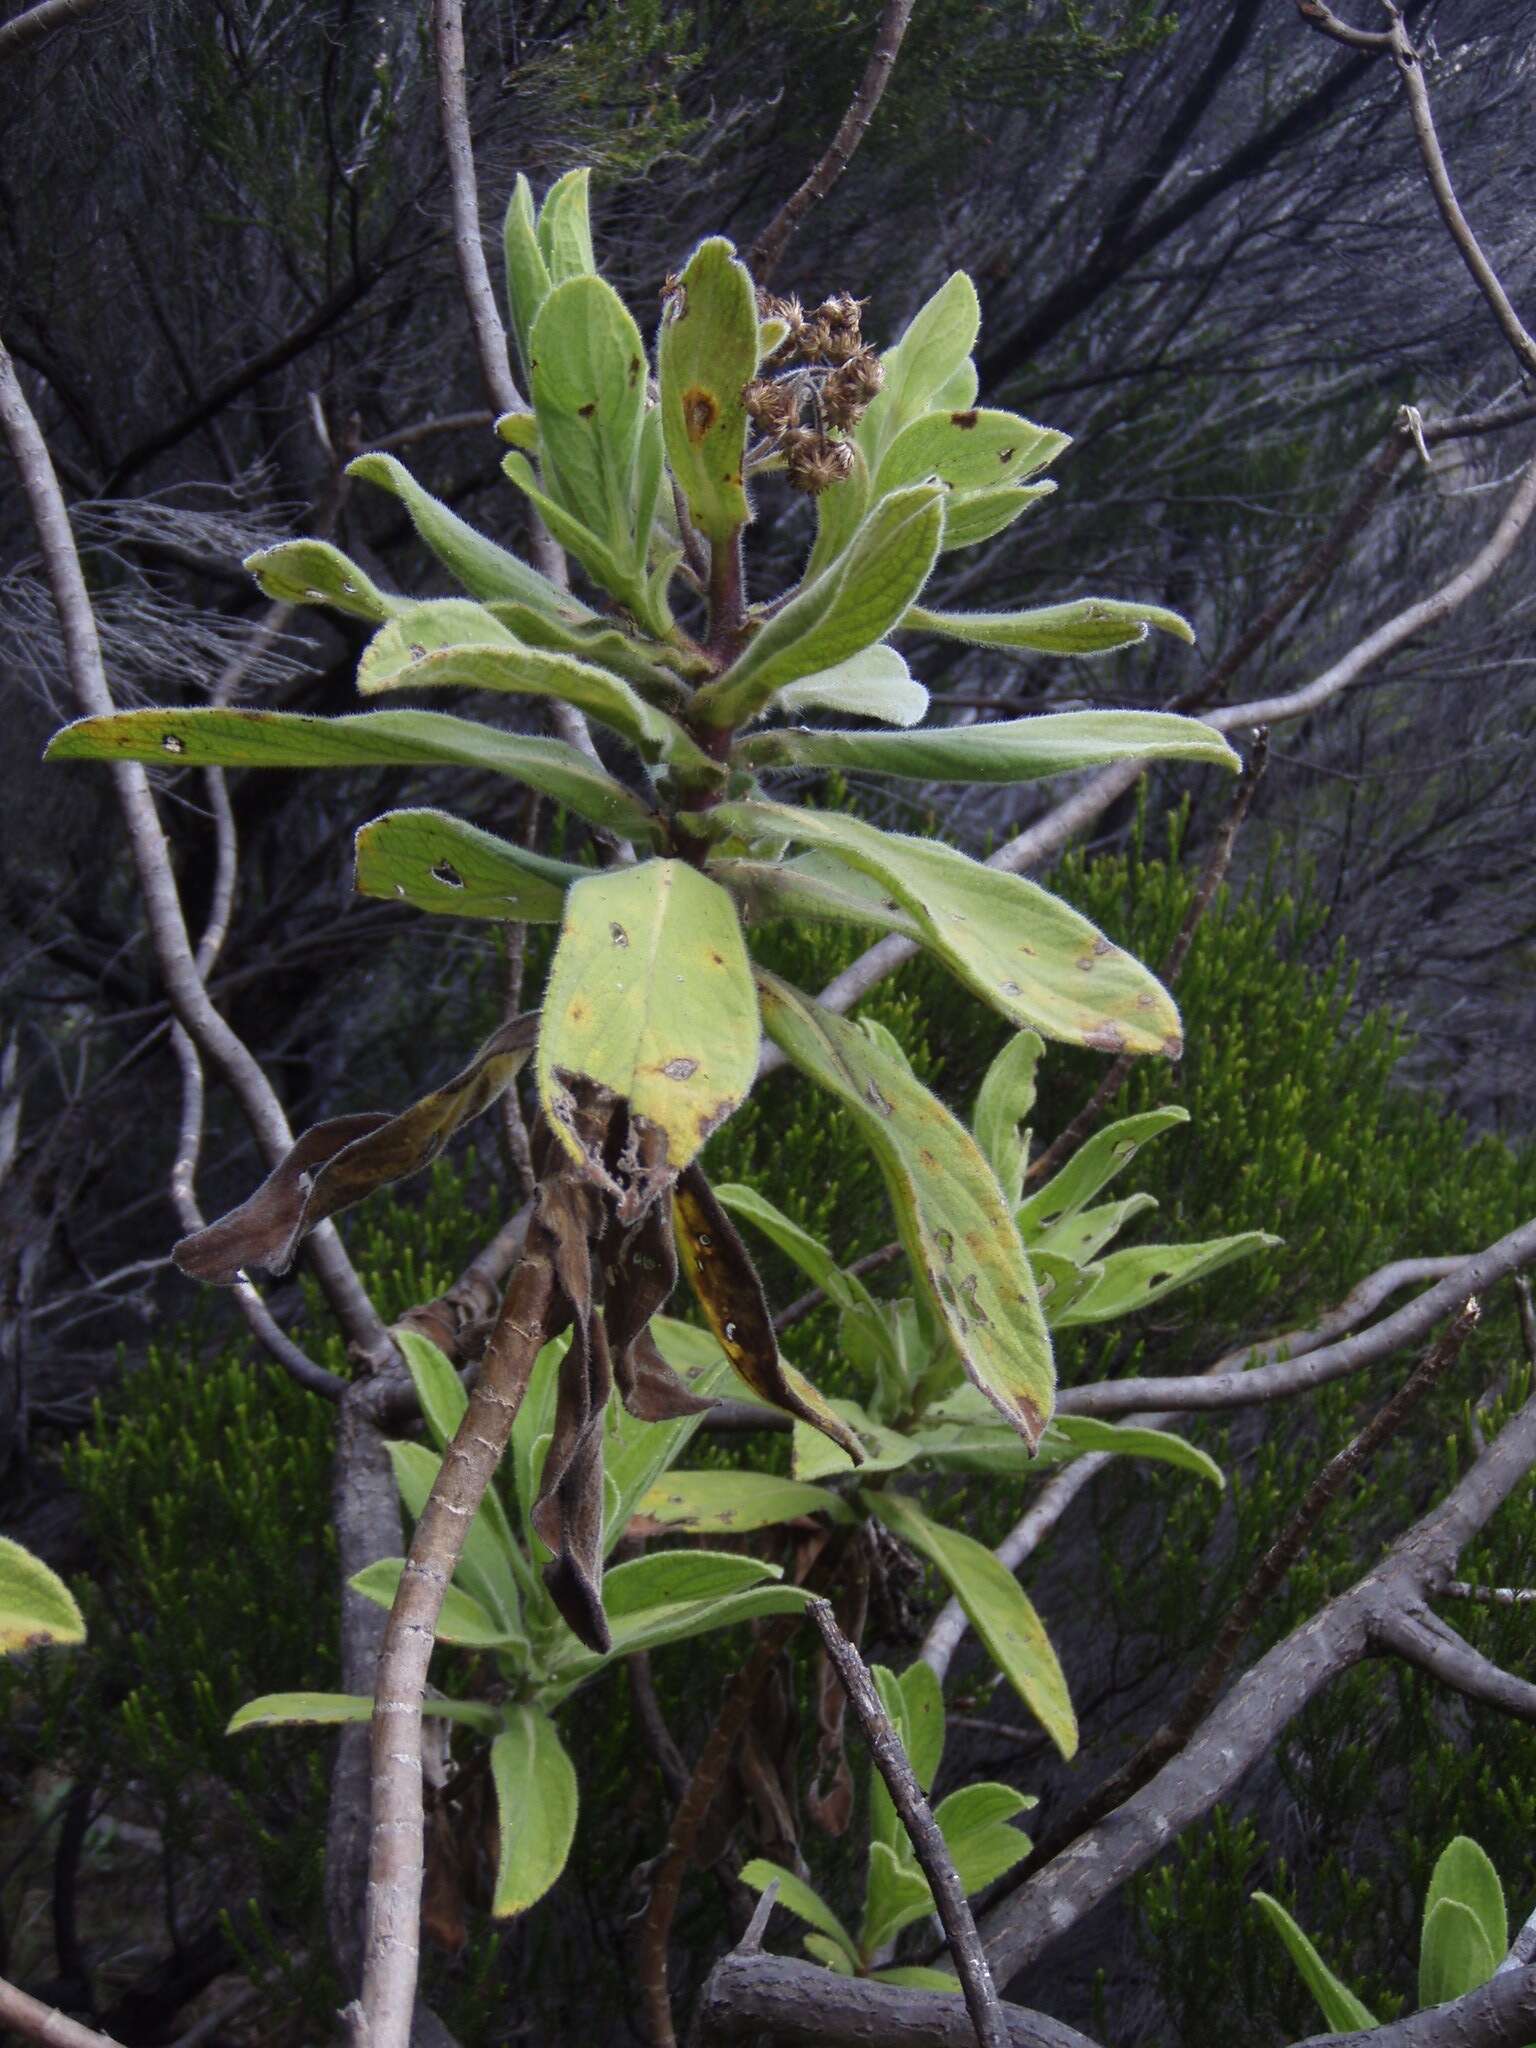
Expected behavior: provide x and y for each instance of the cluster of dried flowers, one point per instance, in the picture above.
(814, 388)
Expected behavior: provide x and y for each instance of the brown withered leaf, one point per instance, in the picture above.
(722, 1275)
(337, 1163)
(639, 1274)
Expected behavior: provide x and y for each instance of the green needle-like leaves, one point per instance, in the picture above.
(949, 1210)
(706, 352)
(650, 995)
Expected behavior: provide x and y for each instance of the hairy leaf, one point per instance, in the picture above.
(732, 1503)
(335, 1709)
(565, 230)
(933, 351)
(463, 1618)
(816, 886)
(314, 572)
(1132, 1280)
(1005, 1098)
(706, 352)
(1341, 2009)
(536, 1803)
(796, 1897)
(1009, 750)
(1090, 625)
(528, 278)
(967, 450)
(1092, 1166)
(873, 684)
(587, 376)
(974, 516)
(439, 863)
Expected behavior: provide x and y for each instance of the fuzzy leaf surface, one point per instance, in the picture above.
(439, 863)
(587, 377)
(1007, 750)
(1089, 625)
(706, 353)
(314, 572)
(536, 1803)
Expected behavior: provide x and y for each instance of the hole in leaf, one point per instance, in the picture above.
(172, 744)
(444, 871)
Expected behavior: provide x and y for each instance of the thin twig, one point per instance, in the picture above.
(928, 1844)
(770, 244)
(1491, 1596)
(31, 27)
(39, 2022)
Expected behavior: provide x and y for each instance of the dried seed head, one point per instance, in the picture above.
(771, 405)
(849, 389)
(816, 462)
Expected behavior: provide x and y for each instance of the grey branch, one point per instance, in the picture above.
(29, 28)
(39, 2022)
(1417, 1635)
(769, 246)
(923, 1831)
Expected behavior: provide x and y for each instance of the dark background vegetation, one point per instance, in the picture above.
(1204, 248)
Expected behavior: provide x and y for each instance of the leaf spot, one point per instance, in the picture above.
(1011, 988)
(700, 411)
(945, 1240)
(585, 412)
(730, 1333)
(680, 1070)
(1105, 1036)
(445, 872)
(876, 1100)
(171, 743)
(618, 934)
(418, 652)
(1006, 455)
(963, 420)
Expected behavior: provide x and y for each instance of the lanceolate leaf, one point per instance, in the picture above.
(461, 646)
(1464, 1872)
(484, 569)
(439, 863)
(1091, 625)
(463, 1619)
(732, 1503)
(565, 232)
(967, 450)
(650, 995)
(997, 1608)
(974, 516)
(840, 511)
(1018, 947)
(949, 1211)
(933, 351)
(1010, 750)
(851, 607)
(213, 738)
(588, 385)
(528, 279)
(536, 1802)
(335, 1709)
(337, 1163)
(1132, 1280)
(706, 353)
(603, 646)
(815, 886)
(796, 1897)
(1081, 1434)
(1454, 1956)
(845, 1290)
(614, 568)
(1341, 2009)
(1004, 1099)
(1092, 1166)
(313, 572)
(485, 1564)
(670, 1578)
(36, 1606)
(812, 1458)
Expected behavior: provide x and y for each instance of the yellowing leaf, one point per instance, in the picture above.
(36, 1607)
(650, 995)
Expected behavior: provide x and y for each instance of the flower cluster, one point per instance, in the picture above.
(816, 385)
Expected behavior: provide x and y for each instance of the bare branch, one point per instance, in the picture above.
(770, 244)
(916, 1815)
(1314, 1368)
(39, 2022)
(29, 28)
(1499, 2014)
(1490, 1596)
(1422, 1639)
(468, 249)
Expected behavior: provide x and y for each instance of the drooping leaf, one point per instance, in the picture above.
(1081, 1434)
(1005, 1098)
(314, 572)
(971, 517)
(484, 569)
(949, 1211)
(587, 378)
(335, 1709)
(797, 1897)
(448, 644)
(1454, 1955)
(1090, 625)
(930, 354)
(1008, 750)
(650, 995)
(1092, 1166)
(1341, 2009)
(967, 450)
(463, 1618)
(1463, 1872)
(732, 1503)
(442, 864)
(1018, 947)
(846, 1290)
(536, 1802)
(337, 1163)
(1132, 1280)
(209, 737)
(36, 1607)
(997, 1608)
(873, 684)
(852, 607)
(706, 353)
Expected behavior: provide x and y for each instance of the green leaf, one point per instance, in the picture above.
(949, 1211)
(923, 1730)
(1005, 1098)
(917, 1977)
(313, 572)
(933, 351)
(528, 279)
(816, 886)
(997, 1608)
(967, 450)
(797, 1897)
(536, 1802)
(1090, 625)
(1009, 750)
(565, 230)
(974, 516)
(602, 645)
(669, 1578)
(36, 1607)
(333, 1709)
(823, 1950)
(614, 568)
(1132, 1280)
(873, 684)
(449, 644)
(650, 995)
(655, 1628)
(1454, 1955)
(814, 1456)
(485, 1561)
(1015, 945)
(441, 864)
(1463, 1872)
(463, 1619)
(840, 511)
(957, 391)
(896, 1893)
(731, 1503)
(1080, 1434)
(706, 353)
(975, 1825)
(532, 1430)
(484, 569)
(587, 376)
(854, 605)
(1081, 1236)
(1092, 1166)
(438, 1387)
(213, 738)
(635, 1452)
(1342, 2011)
(845, 1290)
